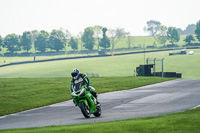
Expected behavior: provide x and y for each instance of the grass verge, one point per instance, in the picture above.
(184, 122)
(19, 94)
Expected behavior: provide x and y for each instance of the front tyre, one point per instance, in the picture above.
(85, 110)
(98, 113)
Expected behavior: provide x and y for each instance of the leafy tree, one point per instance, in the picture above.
(173, 35)
(190, 29)
(97, 33)
(129, 40)
(120, 33)
(68, 37)
(88, 39)
(34, 36)
(182, 32)
(57, 40)
(26, 41)
(41, 41)
(104, 42)
(153, 27)
(189, 38)
(115, 35)
(162, 35)
(73, 43)
(12, 43)
(80, 34)
(1, 42)
(197, 30)
(68, 34)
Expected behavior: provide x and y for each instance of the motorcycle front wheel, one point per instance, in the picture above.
(85, 110)
(98, 113)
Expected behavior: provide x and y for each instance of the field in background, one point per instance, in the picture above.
(113, 66)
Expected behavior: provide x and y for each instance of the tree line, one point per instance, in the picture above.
(42, 40)
(58, 40)
(162, 33)
(102, 37)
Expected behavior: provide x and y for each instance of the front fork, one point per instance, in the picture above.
(89, 102)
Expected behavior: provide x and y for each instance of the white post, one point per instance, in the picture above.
(162, 68)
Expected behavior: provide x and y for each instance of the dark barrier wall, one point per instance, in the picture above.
(55, 59)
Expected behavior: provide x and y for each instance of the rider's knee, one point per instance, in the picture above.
(94, 93)
(91, 88)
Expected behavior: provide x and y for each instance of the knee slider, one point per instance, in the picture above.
(94, 93)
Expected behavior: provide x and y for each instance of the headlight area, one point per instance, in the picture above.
(73, 94)
(82, 93)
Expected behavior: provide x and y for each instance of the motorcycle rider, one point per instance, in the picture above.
(78, 77)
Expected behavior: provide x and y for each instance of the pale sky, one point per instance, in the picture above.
(17, 16)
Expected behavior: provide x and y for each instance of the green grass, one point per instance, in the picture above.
(184, 122)
(26, 93)
(113, 66)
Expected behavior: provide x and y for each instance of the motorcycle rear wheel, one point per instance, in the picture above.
(85, 110)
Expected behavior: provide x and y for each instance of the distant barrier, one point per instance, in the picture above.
(55, 59)
(92, 74)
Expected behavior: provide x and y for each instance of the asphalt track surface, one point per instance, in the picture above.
(152, 100)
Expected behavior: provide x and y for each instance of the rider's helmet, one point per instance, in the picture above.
(75, 73)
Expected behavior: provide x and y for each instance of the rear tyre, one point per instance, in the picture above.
(98, 113)
(85, 110)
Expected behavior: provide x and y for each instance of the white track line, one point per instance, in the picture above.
(196, 106)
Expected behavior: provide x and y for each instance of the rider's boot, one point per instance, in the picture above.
(94, 93)
(96, 97)
(98, 103)
(74, 103)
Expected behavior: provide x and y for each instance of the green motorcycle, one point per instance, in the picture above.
(85, 100)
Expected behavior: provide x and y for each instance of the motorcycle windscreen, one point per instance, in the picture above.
(77, 87)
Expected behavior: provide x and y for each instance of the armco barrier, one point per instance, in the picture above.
(55, 59)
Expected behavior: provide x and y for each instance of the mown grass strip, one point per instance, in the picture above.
(184, 122)
(19, 94)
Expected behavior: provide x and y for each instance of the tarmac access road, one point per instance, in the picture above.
(152, 100)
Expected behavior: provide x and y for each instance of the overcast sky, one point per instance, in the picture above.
(17, 16)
